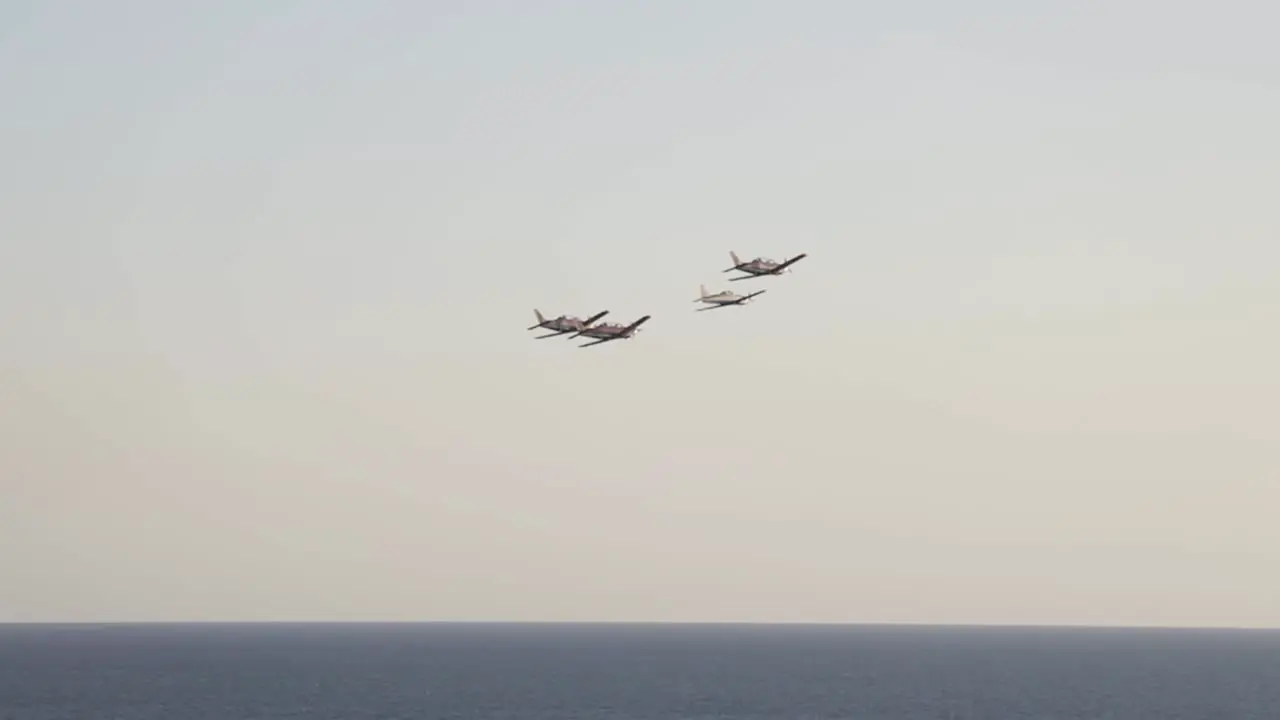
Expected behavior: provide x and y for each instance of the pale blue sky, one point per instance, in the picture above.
(266, 269)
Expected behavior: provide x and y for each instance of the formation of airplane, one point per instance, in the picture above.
(607, 332)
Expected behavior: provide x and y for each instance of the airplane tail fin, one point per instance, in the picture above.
(541, 320)
(734, 256)
(702, 289)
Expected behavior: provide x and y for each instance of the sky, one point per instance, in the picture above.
(266, 269)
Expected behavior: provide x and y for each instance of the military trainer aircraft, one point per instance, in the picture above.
(605, 332)
(723, 298)
(563, 324)
(760, 266)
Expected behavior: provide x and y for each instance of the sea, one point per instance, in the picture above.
(633, 672)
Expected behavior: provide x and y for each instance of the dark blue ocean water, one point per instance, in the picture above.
(656, 672)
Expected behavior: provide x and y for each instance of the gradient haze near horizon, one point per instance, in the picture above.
(267, 269)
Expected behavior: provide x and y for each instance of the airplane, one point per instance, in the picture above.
(723, 298)
(760, 266)
(605, 332)
(563, 324)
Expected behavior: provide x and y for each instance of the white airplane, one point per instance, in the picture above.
(723, 298)
(760, 266)
(563, 324)
(605, 332)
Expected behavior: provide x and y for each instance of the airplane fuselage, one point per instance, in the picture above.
(611, 331)
(601, 331)
(563, 324)
(724, 298)
(762, 266)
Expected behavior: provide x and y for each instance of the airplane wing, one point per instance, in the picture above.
(597, 342)
(549, 335)
(595, 317)
(790, 262)
(744, 277)
(632, 327)
(748, 296)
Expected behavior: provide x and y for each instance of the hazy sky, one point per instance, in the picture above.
(266, 268)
